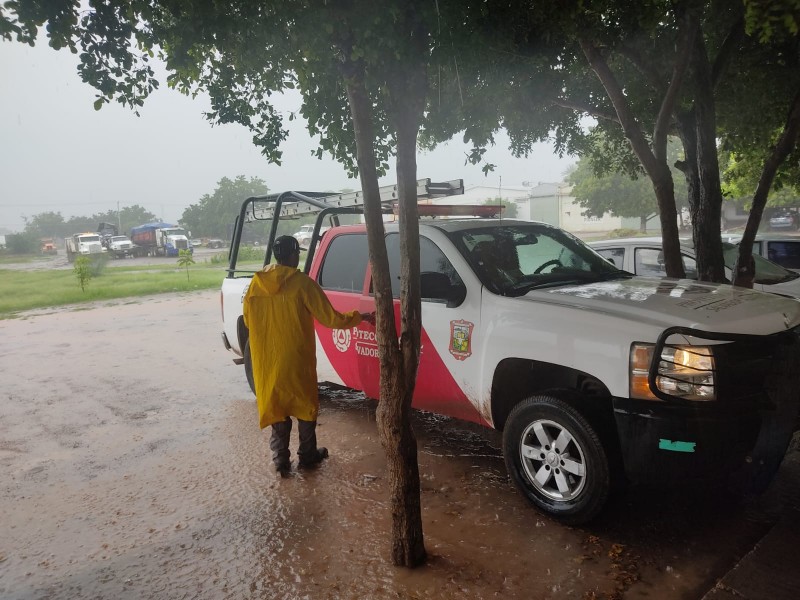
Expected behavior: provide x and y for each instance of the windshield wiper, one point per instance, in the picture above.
(577, 278)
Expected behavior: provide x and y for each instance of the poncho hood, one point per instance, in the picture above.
(273, 278)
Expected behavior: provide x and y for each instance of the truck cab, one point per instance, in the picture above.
(171, 240)
(83, 244)
(591, 373)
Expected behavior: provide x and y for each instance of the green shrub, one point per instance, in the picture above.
(251, 253)
(184, 260)
(22, 243)
(83, 271)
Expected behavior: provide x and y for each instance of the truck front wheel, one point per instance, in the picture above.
(556, 459)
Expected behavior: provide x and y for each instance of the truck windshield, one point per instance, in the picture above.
(514, 259)
(119, 238)
(89, 238)
(174, 232)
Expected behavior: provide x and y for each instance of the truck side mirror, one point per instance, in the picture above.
(437, 286)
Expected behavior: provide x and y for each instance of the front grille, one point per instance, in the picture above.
(760, 370)
(182, 245)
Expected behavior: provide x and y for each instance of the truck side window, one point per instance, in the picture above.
(649, 262)
(431, 260)
(345, 263)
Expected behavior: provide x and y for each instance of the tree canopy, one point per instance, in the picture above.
(53, 224)
(604, 187)
(213, 215)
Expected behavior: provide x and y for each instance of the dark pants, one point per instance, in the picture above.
(279, 441)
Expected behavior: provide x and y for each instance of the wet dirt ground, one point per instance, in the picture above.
(132, 466)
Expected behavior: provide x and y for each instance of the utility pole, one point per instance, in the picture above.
(500, 195)
(119, 221)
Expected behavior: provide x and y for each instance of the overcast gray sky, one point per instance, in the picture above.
(58, 154)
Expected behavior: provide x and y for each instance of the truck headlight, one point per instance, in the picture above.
(684, 371)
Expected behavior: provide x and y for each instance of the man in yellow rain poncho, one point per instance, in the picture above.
(279, 310)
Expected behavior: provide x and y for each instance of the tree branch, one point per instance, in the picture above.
(656, 168)
(785, 145)
(585, 108)
(726, 51)
(625, 115)
(662, 124)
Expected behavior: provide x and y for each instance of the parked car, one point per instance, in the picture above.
(645, 257)
(784, 219)
(782, 250)
(303, 235)
(215, 243)
(195, 242)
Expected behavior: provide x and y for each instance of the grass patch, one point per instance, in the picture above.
(25, 290)
(22, 290)
(9, 259)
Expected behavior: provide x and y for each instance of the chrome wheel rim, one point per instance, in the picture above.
(552, 460)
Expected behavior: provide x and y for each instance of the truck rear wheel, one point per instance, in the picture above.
(556, 459)
(248, 366)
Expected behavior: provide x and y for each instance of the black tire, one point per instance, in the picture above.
(248, 366)
(574, 494)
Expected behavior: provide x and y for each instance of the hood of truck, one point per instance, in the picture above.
(666, 303)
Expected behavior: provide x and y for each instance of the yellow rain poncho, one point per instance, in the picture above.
(279, 310)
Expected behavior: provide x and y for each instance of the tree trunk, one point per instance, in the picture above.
(654, 164)
(688, 135)
(407, 91)
(643, 224)
(398, 362)
(744, 270)
(707, 239)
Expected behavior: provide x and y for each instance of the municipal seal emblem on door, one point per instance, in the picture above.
(341, 339)
(461, 339)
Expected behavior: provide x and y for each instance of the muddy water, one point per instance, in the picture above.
(132, 466)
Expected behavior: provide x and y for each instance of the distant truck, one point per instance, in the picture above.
(49, 246)
(161, 239)
(83, 244)
(118, 246)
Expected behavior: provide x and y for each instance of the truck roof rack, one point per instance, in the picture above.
(292, 204)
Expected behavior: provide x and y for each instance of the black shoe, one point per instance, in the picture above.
(283, 470)
(322, 454)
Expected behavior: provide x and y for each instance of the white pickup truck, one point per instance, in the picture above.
(592, 374)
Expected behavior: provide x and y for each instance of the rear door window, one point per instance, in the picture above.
(345, 263)
(431, 260)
